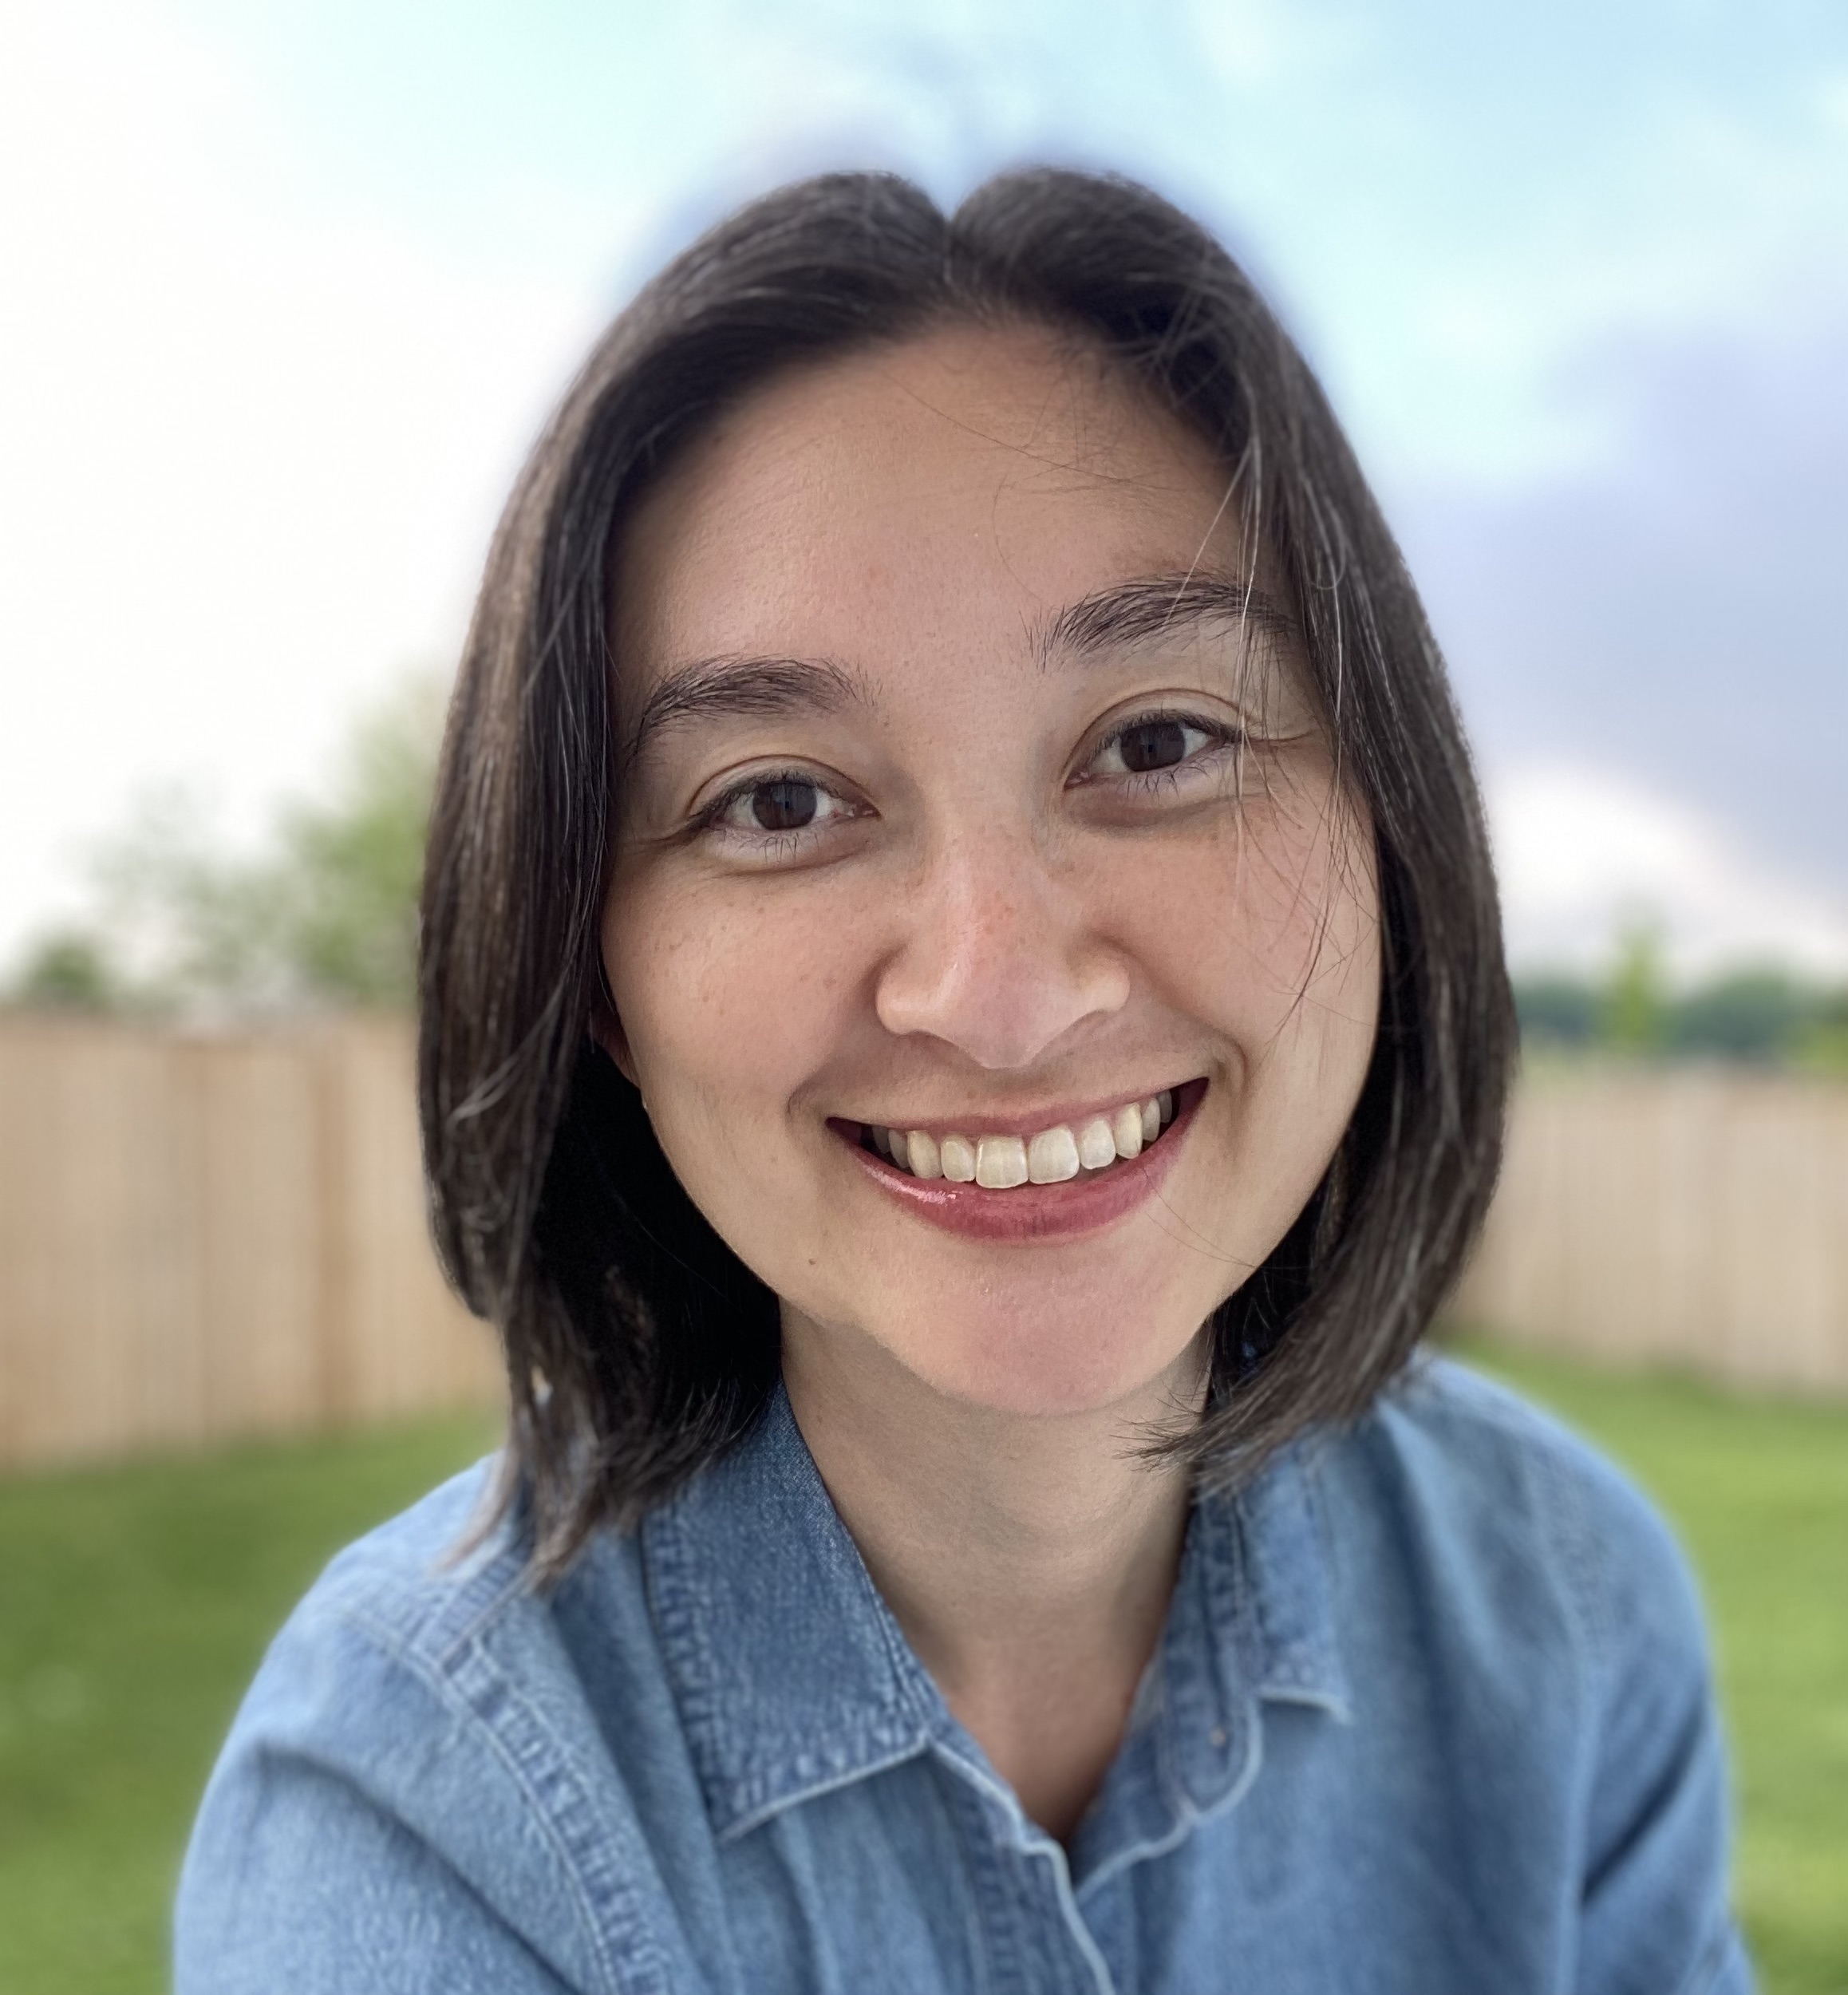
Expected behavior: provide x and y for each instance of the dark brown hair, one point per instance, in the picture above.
(637, 1344)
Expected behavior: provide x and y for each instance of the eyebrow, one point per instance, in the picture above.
(706, 688)
(1157, 605)
(1128, 613)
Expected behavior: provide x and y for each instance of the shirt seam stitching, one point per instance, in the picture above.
(439, 1678)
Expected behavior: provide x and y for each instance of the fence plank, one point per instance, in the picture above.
(205, 1237)
(1685, 1216)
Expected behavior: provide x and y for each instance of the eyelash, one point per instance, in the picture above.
(761, 843)
(1220, 737)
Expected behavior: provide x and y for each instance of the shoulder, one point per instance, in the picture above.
(389, 1643)
(419, 1741)
(1492, 1499)
(421, 1585)
(1483, 1547)
(429, 1633)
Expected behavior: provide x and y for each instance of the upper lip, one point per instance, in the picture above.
(1028, 1124)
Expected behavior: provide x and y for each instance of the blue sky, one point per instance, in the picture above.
(287, 287)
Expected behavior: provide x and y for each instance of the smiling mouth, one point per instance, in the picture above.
(1089, 1148)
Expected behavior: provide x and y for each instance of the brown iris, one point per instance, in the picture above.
(785, 805)
(1152, 744)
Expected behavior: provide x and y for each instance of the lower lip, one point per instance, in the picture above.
(1037, 1211)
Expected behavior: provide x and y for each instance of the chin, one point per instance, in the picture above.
(1012, 1364)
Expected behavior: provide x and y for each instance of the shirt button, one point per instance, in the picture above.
(1218, 1734)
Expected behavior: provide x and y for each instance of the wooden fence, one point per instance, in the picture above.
(207, 1237)
(1687, 1217)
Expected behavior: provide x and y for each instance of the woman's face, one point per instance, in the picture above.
(978, 791)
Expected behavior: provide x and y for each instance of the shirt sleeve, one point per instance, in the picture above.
(364, 1831)
(297, 1880)
(1657, 1918)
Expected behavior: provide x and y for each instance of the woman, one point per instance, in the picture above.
(964, 1039)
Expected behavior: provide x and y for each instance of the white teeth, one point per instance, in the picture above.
(1001, 1162)
(1052, 1156)
(1096, 1146)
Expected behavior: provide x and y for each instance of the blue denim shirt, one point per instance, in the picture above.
(1430, 1714)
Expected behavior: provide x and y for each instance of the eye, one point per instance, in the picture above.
(776, 813)
(1154, 744)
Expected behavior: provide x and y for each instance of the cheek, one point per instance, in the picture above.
(1265, 933)
(1262, 926)
(728, 997)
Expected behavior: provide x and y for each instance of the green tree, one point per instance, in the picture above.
(67, 971)
(1756, 1013)
(349, 869)
(1635, 1009)
(1821, 1042)
(326, 913)
(1556, 1011)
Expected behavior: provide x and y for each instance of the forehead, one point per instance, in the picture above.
(968, 475)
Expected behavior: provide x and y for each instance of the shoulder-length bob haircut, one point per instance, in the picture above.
(638, 1345)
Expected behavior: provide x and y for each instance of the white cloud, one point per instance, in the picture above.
(1584, 853)
(272, 348)
(253, 446)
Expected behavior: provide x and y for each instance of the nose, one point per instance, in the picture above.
(999, 959)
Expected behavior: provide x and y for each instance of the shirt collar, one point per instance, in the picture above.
(791, 1676)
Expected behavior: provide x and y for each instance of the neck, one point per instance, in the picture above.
(1029, 1559)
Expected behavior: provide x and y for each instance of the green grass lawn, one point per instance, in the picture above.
(135, 1602)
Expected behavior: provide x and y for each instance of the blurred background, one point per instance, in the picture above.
(285, 291)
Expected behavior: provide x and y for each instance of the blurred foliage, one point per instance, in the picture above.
(1634, 1003)
(68, 971)
(1820, 1043)
(1557, 1010)
(354, 866)
(326, 912)
(1760, 1015)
